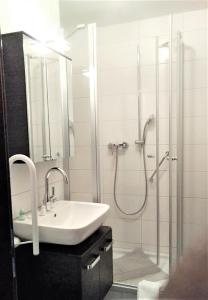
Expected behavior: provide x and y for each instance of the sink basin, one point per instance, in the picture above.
(68, 223)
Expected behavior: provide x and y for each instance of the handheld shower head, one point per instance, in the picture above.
(150, 119)
(147, 123)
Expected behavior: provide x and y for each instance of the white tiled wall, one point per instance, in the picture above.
(81, 187)
(195, 126)
(117, 91)
(118, 122)
(20, 185)
(117, 77)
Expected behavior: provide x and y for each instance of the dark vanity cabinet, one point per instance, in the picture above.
(81, 272)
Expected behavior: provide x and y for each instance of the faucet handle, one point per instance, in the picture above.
(53, 196)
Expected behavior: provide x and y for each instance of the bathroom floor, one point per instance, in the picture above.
(117, 295)
(133, 266)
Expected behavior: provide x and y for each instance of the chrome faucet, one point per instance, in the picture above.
(47, 176)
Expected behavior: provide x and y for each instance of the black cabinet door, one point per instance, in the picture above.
(106, 266)
(91, 276)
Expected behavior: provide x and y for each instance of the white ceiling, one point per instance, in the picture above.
(112, 12)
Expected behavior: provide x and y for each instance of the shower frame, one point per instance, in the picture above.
(179, 127)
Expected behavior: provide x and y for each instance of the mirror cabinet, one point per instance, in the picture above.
(37, 84)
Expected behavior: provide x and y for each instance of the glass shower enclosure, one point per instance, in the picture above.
(149, 72)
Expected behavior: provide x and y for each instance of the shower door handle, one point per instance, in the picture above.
(173, 158)
(166, 156)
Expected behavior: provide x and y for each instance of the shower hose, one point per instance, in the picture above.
(141, 208)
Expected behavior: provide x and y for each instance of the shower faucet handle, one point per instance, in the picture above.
(123, 145)
(113, 147)
(139, 142)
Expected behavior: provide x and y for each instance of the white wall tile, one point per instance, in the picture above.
(117, 81)
(128, 203)
(147, 81)
(116, 55)
(154, 26)
(195, 102)
(194, 210)
(82, 159)
(195, 20)
(80, 181)
(194, 236)
(118, 89)
(128, 182)
(83, 197)
(194, 44)
(195, 74)
(20, 185)
(195, 158)
(147, 50)
(128, 231)
(82, 133)
(80, 85)
(118, 131)
(148, 105)
(81, 110)
(19, 176)
(118, 33)
(122, 107)
(195, 184)
(195, 131)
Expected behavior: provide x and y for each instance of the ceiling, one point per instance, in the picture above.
(112, 12)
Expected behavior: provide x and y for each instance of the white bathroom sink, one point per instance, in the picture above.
(68, 223)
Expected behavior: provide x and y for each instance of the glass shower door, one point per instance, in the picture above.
(188, 131)
(84, 159)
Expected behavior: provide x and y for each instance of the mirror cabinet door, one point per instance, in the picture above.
(47, 101)
(54, 102)
(38, 126)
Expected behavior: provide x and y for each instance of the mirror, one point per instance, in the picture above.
(44, 82)
(47, 73)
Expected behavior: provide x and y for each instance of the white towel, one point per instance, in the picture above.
(149, 290)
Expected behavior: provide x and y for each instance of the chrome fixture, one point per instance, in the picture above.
(164, 45)
(165, 156)
(115, 148)
(48, 198)
(142, 141)
(78, 27)
(34, 198)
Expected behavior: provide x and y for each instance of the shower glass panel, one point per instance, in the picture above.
(134, 109)
(152, 116)
(189, 121)
(84, 163)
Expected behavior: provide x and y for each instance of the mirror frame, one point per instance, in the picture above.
(8, 287)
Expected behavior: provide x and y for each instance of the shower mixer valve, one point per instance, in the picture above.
(113, 147)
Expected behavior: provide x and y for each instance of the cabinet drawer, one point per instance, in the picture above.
(106, 266)
(91, 275)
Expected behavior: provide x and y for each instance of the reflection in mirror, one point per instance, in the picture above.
(47, 90)
(43, 93)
